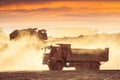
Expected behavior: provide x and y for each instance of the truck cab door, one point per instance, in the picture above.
(55, 52)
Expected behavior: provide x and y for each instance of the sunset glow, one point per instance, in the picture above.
(89, 13)
(72, 7)
(98, 20)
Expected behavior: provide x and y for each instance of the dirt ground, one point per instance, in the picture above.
(61, 75)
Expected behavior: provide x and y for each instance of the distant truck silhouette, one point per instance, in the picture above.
(62, 55)
(41, 34)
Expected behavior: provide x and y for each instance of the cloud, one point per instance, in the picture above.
(14, 2)
(43, 9)
(73, 7)
(57, 10)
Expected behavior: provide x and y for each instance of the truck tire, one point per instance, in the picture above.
(59, 66)
(51, 67)
(86, 66)
(96, 66)
(78, 67)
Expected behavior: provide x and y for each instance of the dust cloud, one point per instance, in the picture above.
(103, 40)
(21, 54)
(26, 54)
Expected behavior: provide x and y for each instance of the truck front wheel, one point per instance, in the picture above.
(51, 67)
(59, 65)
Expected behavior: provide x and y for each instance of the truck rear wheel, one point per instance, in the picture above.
(96, 66)
(86, 66)
(78, 67)
(59, 66)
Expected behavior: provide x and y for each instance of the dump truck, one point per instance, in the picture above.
(62, 55)
(41, 34)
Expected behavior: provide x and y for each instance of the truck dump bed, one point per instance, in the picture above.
(88, 55)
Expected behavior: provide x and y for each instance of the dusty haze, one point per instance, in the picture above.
(26, 54)
(97, 41)
(21, 54)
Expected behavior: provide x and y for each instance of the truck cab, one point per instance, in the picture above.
(55, 56)
(41, 34)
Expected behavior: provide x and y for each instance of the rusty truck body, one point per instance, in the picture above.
(61, 55)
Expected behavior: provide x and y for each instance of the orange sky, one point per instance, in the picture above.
(90, 13)
(62, 8)
(62, 18)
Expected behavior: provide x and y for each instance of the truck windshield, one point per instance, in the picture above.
(47, 50)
